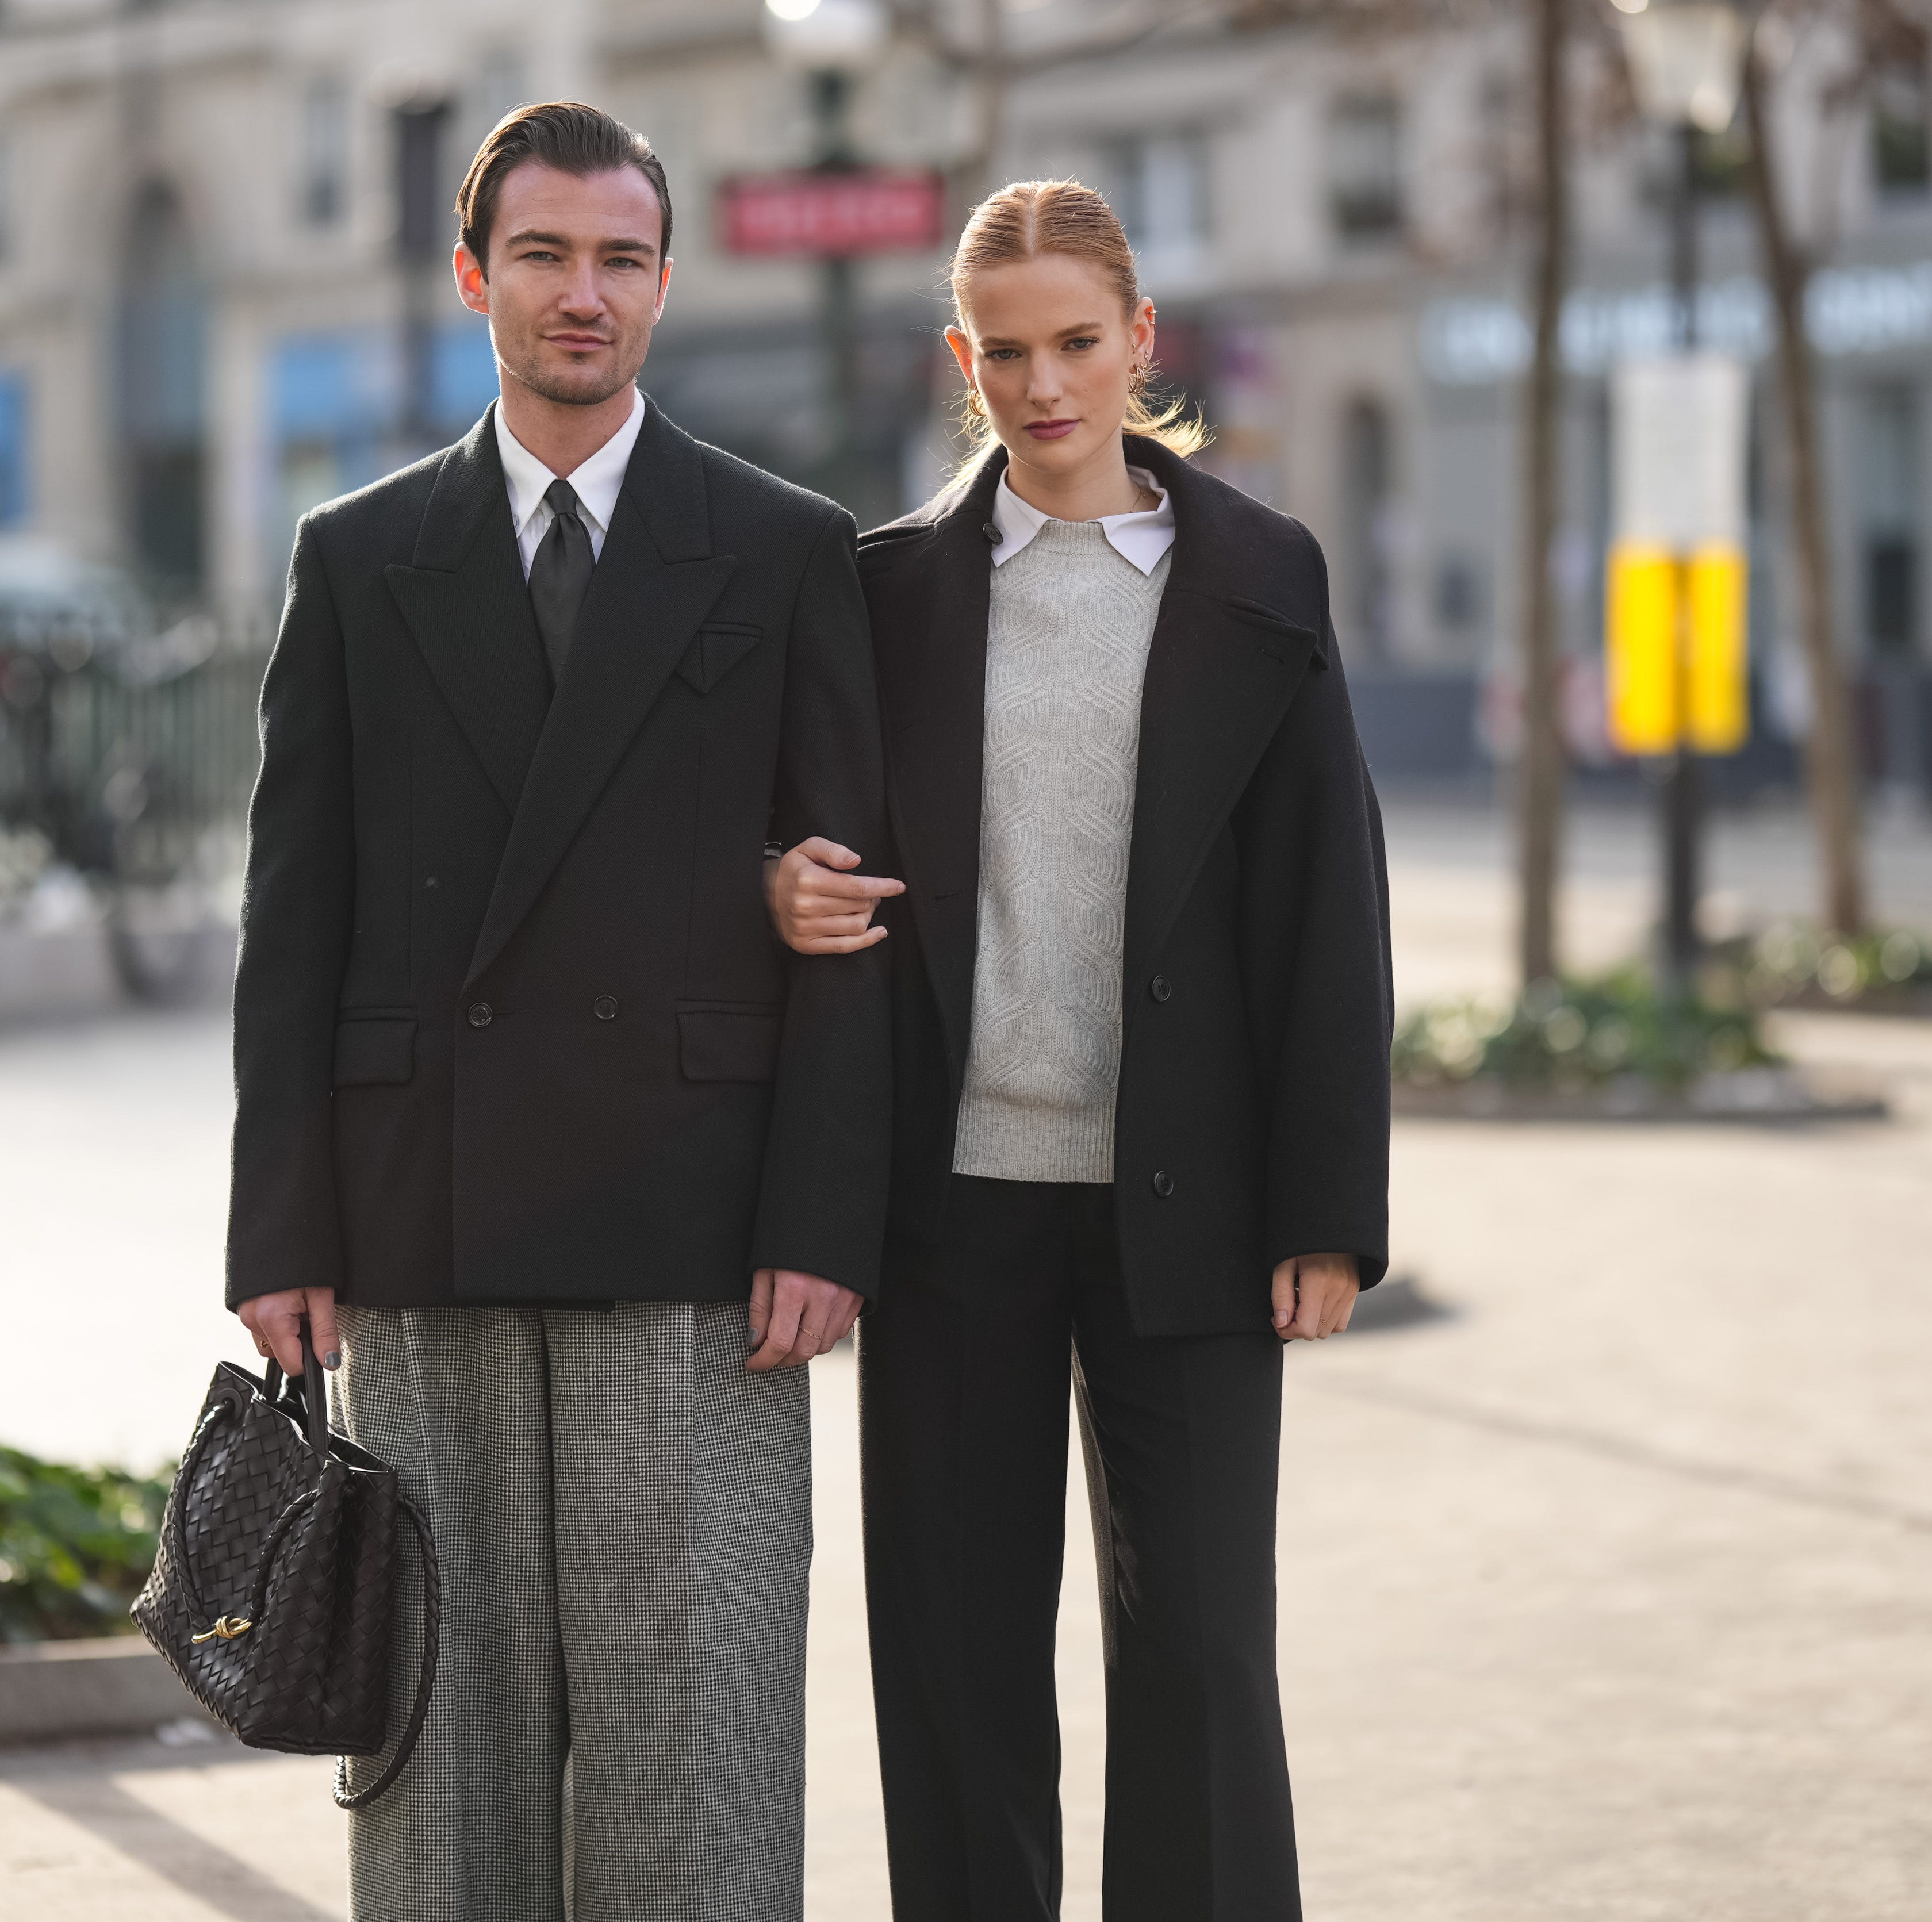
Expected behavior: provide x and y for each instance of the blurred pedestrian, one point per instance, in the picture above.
(1141, 1018)
(529, 1103)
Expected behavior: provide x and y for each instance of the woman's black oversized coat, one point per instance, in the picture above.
(1253, 1118)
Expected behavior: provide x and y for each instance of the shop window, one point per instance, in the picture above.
(1365, 197)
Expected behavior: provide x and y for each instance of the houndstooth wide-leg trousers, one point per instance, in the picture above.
(623, 1516)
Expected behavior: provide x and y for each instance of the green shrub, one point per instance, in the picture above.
(1575, 1033)
(1793, 961)
(76, 1544)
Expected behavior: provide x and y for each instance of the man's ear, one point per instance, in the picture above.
(472, 284)
(663, 288)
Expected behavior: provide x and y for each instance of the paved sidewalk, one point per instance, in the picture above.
(1603, 1574)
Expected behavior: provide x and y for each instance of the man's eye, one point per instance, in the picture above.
(622, 260)
(540, 253)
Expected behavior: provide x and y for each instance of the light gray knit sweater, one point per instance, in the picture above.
(1066, 649)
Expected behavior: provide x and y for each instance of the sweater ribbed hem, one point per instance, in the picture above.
(1002, 1140)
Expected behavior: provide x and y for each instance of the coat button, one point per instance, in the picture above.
(1163, 1183)
(992, 530)
(480, 1015)
(1160, 988)
(605, 1007)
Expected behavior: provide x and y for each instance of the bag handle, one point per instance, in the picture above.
(313, 1394)
(361, 1798)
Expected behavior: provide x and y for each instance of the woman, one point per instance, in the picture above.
(1141, 1007)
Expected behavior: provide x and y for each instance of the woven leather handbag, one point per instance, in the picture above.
(271, 1588)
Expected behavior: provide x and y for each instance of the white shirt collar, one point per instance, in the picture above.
(597, 481)
(1140, 536)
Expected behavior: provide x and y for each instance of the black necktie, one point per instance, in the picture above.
(560, 575)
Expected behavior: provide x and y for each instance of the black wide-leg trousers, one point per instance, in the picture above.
(964, 1368)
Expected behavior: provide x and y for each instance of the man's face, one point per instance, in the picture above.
(576, 281)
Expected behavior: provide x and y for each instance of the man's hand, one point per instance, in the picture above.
(795, 1317)
(275, 1322)
(818, 906)
(1314, 1295)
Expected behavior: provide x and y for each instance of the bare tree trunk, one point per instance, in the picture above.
(1540, 773)
(1830, 772)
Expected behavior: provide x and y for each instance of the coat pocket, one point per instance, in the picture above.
(729, 1040)
(373, 1048)
(718, 647)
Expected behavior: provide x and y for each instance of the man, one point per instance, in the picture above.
(529, 1102)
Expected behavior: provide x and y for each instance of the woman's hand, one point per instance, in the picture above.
(1314, 1295)
(818, 906)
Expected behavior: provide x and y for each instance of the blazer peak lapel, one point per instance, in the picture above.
(464, 601)
(639, 618)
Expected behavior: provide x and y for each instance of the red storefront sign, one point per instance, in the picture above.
(869, 210)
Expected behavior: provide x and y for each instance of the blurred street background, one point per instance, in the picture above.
(1606, 1536)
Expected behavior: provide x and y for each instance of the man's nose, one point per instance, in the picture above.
(581, 298)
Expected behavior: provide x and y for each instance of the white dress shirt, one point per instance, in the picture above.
(1141, 537)
(599, 482)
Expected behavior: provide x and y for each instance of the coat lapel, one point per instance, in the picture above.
(929, 594)
(464, 601)
(654, 583)
(1223, 665)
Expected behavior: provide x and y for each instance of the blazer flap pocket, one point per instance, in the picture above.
(370, 1049)
(717, 647)
(1252, 613)
(730, 1041)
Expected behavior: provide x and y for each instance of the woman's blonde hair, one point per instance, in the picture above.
(1035, 217)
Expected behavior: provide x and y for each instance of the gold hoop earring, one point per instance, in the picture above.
(1137, 380)
(976, 402)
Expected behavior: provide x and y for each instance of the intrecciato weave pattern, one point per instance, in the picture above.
(261, 1528)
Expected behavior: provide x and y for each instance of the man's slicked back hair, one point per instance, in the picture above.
(563, 134)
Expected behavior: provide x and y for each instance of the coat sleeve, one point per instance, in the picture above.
(1328, 1132)
(822, 1206)
(296, 910)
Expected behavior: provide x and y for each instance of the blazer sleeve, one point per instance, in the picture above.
(822, 1207)
(296, 911)
(1328, 1133)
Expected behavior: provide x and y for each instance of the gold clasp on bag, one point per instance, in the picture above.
(227, 1628)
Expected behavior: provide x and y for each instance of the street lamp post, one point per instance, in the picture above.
(1684, 61)
(833, 41)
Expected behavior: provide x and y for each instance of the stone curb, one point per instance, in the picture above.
(51, 1691)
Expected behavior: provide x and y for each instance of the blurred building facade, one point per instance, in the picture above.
(224, 292)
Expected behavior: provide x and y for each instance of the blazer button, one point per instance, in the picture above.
(992, 530)
(1163, 1183)
(1160, 988)
(605, 1007)
(480, 1015)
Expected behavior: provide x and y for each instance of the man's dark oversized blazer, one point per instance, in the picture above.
(1253, 1117)
(510, 1022)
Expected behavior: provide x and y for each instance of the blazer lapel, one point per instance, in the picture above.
(929, 595)
(1222, 670)
(655, 582)
(467, 608)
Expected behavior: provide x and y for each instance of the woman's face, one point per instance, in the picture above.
(1047, 345)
